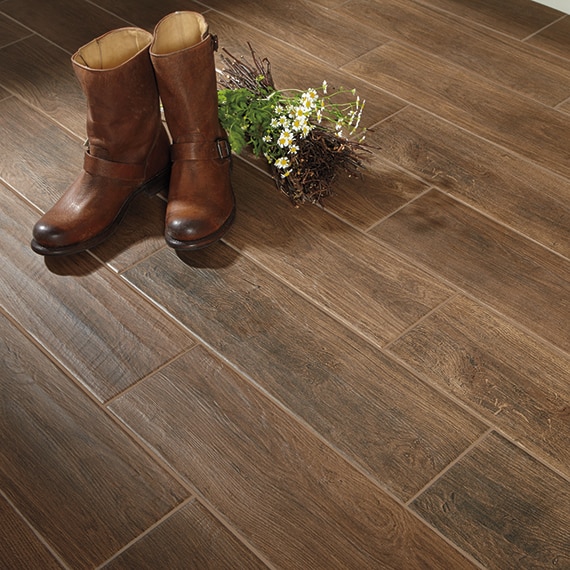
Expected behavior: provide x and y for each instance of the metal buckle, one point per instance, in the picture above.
(214, 40)
(224, 149)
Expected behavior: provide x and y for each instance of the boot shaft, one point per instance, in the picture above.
(182, 55)
(117, 78)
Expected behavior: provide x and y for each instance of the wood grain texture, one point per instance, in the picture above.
(11, 31)
(37, 171)
(517, 277)
(238, 450)
(504, 186)
(554, 38)
(518, 384)
(140, 234)
(380, 190)
(41, 74)
(108, 340)
(20, 548)
(565, 106)
(524, 69)
(147, 13)
(80, 481)
(466, 99)
(306, 26)
(508, 517)
(189, 538)
(318, 423)
(68, 23)
(345, 272)
(371, 409)
(517, 18)
(294, 68)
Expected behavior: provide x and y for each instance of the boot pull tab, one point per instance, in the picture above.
(214, 42)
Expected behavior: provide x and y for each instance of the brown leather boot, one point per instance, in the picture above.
(128, 147)
(201, 203)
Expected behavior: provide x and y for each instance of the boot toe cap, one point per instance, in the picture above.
(185, 233)
(48, 235)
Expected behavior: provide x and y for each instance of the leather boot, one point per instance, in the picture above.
(201, 203)
(128, 147)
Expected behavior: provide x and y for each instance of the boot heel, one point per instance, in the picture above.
(157, 183)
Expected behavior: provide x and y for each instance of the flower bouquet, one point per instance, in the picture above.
(301, 134)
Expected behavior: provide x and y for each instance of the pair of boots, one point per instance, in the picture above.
(129, 151)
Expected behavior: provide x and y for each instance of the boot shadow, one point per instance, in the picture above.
(216, 256)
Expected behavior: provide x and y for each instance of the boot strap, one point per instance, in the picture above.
(220, 148)
(109, 169)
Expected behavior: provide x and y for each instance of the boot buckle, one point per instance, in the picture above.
(214, 40)
(224, 149)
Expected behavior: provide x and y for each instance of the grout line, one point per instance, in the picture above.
(403, 42)
(442, 473)
(182, 479)
(448, 540)
(518, 325)
(492, 426)
(226, 523)
(33, 32)
(486, 214)
(423, 318)
(461, 289)
(141, 380)
(147, 531)
(9, 44)
(120, 272)
(470, 22)
(558, 105)
(542, 29)
(99, 7)
(368, 230)
(36, 533)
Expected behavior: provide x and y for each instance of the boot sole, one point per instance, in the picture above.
(151, 187)
(206, 240)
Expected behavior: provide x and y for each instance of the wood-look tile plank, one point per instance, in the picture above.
(295, 500)
(11, 31)
(465, 98)
(517, 18)
(306, 26)
(87, 318)
(189, 538)
(362, 402)
(565, 106)
(554, 38)
(511, 190)
(40, 160)
(67, 23)
(339, 268)
(293, 68)
(519, 278)
(41, 74)
(517, 383)
(147, 13)
(328, 3)
(496, 57)
(380, 189)
(66, 466)
(503, 507)
(20, 548)
(140, 234)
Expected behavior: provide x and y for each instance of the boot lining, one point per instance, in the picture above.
(179, 31)
(113, 49)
